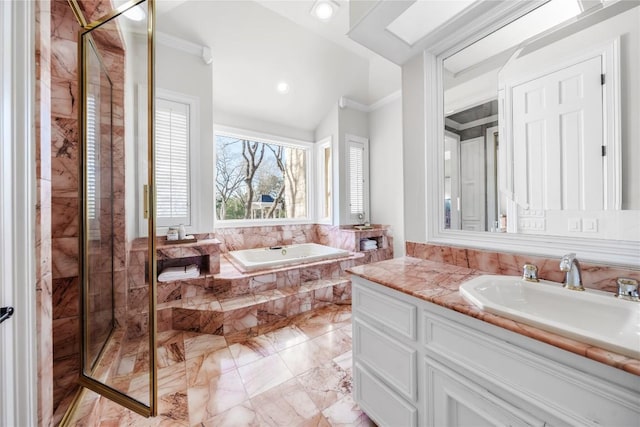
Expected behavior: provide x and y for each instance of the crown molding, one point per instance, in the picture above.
(345, 102)
(201, 51)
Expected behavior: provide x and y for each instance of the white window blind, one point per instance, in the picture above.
(172, 163)
(356, 179)
(91, 157)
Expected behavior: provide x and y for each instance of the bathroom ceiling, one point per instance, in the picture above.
(256, 44)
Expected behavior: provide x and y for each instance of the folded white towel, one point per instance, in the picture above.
(369, 244)
(178, 273)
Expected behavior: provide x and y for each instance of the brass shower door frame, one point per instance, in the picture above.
(85, 378)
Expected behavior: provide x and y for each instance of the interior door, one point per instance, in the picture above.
(492, 177)
(452, 181)
(472, 184)
(18, 355)
(557, 134)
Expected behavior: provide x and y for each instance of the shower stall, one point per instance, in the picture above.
(118, 319)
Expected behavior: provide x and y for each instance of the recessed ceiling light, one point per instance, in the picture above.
(324, 9)
(282, 87)
(135, 13)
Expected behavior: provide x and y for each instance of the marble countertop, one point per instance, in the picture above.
(438, 283)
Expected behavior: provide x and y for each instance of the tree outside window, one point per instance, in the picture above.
(260, 180)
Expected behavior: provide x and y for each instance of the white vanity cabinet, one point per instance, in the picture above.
(417, 363)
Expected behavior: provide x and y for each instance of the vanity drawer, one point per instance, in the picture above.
(394, 315)
(378, 401)
(393, 362)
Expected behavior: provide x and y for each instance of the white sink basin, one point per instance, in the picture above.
(591, 316)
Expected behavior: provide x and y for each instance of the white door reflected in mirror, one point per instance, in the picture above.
(562, 102)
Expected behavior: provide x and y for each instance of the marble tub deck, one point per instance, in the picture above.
(247, 304)
(438, 283)
(298, 375)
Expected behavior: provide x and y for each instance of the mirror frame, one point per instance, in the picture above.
(85, 379)
(614, 252)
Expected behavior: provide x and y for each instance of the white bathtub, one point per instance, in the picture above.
(279, 256)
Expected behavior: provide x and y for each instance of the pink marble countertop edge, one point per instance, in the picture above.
(438, 283)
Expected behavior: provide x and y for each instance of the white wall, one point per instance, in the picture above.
(385, 78)
(352, 122)
(223, 118)
(336, 124)
(385, 171)
(414, 147)
(187, 74)
(328, 127)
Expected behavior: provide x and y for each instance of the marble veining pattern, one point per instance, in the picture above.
(594, 276)
(438, 283)
(211, 382)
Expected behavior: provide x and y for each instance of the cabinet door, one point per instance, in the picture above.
(380, 402)
(454, 401)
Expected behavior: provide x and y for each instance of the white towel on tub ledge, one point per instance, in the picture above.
(179, 273)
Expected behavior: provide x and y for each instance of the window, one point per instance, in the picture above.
(260, 178)
(91, 157)
(324, 179)
(172, 162)
(358, 176)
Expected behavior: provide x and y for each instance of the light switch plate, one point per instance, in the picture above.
(590, 225)
(575, 224)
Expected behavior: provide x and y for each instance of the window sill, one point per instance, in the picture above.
(232, 223)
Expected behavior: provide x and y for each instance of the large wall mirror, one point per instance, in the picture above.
(117, 272)
(540, 130)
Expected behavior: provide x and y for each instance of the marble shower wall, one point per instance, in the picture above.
(594, 276)
(62, 167)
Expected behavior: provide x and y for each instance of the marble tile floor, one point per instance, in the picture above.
(298, 375)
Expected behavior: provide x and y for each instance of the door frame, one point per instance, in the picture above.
(18, 364)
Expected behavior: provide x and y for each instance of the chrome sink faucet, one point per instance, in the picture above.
(573, 278)
(628, 289)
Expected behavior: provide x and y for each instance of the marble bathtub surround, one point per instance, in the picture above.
(208, 250)
(223, 300)
(246, 304)
(594, 276)
(266, 380)
(438, 282)
(342, 237)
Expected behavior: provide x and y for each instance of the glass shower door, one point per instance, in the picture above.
(99, 208)
(118, 357)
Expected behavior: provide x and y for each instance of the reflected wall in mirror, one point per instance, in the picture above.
(541, 129)
(118, 336)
